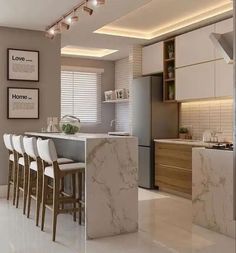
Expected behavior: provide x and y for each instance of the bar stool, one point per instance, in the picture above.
(56, 172)
(22, 166)
(36, 170)
(11, 166)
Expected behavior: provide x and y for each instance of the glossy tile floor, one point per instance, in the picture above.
(165, 227)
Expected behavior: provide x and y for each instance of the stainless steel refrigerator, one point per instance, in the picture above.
(151, 119)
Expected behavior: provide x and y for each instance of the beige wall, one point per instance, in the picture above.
(49, 84)
(108, 83)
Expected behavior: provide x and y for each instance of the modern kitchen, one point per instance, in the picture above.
(117, 125)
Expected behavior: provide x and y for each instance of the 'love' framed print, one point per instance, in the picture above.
(23, 103)
(22, 65)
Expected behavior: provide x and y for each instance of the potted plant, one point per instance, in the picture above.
(183, 133)
(171, 51)
(170, 71)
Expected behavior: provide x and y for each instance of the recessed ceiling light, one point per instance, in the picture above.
(86, 51)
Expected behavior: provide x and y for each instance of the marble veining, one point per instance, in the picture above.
(212, 194)
(111, 166)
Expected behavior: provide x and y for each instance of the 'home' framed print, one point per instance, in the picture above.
(22, 103)
(22, 65)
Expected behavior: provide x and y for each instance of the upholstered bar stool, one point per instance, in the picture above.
(36, 171)
(22, 170)
(56, 172)
(11, 166)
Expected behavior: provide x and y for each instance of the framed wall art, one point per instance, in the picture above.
(22, 65)
(22, 103)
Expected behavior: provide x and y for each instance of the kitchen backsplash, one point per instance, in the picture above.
(215, 115)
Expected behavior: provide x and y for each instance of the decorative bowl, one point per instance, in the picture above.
(70, 124)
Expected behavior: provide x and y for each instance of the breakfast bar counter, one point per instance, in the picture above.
(111, 188)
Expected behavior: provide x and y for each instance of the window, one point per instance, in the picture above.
(81, 95)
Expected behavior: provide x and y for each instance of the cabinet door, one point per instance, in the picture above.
(195, 47)
(223, 27)
(195, 82)
(152, 59)
(223, 79)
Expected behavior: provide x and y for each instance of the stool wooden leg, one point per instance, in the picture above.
(38, 195)
(18, 185)
(29, 193)
(56, 195)
(10, 176)
(62, 189)
(14, 181)
(80, 196)
(74, 194)
(44, 200)
(25, 188)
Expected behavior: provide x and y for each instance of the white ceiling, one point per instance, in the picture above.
(137, 15)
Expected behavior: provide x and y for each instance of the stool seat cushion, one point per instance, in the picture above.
(34, 166)
(65, 168)
(11, 157)
(21, 161)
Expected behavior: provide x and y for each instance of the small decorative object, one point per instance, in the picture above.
(170, 72)
(171, 51)
(52, 123)
(23, 103)
(22, 65)
(109, 95)
(183, 133)
(70, 124)
(126, 91)
(120, 94)
(171, 92)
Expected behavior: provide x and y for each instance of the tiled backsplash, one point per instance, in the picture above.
(215, 115)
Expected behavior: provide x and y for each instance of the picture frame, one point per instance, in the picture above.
(22, 65)
(22, 103)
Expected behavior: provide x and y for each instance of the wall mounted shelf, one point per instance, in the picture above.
(116, 101)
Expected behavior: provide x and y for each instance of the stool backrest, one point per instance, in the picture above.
(47, 151)
(7, 138)
(18, 144)
(30, 146)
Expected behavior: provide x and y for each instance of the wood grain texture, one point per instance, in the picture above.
(173, 168)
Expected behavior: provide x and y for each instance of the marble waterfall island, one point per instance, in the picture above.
(111, 179)
(212, 193)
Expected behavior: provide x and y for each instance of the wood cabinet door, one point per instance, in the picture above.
(195, 47)
(152, 59)
(223, 79)
(195, 82)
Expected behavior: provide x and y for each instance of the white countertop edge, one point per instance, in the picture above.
(78, 137)
(183, 142)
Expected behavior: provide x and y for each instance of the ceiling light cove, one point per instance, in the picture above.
(116, 30)
(86, 51)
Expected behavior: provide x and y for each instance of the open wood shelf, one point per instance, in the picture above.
(116, 101)
(169, 66)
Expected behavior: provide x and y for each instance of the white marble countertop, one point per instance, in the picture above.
(76, 137)
(185, 142)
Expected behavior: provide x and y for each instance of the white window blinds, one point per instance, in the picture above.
(81, 95)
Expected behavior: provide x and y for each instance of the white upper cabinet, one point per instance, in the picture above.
(195, 47)
(195, 82)
(223, 79)
(224, 26)
(152, 59)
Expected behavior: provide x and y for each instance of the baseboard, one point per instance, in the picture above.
(3, 191)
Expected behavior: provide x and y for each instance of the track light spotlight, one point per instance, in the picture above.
(88, 10)
(57, 29)
(49, 35)
(64, 26)
(73, 19)
(98, 2)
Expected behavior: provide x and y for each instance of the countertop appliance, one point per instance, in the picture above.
(151, 119)
(222, 146)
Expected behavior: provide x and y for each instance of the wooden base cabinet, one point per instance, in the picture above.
(173, 168)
